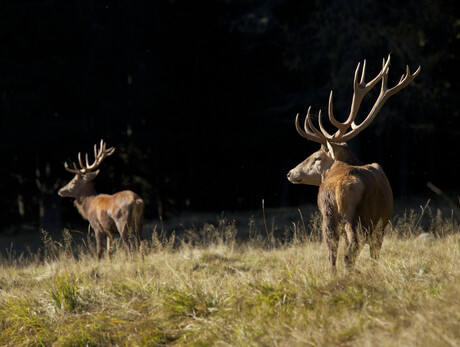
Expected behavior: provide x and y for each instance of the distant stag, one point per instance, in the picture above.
(121, 212)
(358, 195)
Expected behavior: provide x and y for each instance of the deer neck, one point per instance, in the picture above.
(83, 201)
(337, 166)
(325, 173)
(344, 154)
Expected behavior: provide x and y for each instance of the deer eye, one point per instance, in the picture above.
(317, 159)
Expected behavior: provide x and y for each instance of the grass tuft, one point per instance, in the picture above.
(65, 294)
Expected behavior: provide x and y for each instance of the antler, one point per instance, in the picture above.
(99, 156)
(360, 89)
(314, 135)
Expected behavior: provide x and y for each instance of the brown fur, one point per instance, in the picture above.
(121, 212)
(360, 197)
(342, 153)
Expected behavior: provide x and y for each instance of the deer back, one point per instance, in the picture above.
(105, 210)
(352, 192)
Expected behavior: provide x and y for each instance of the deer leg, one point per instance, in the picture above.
(331, 238)
(354, 244)
(374, 251)
(123, 229)
(138, 218)
(332, 245)
(99, 242)
(138, 231)
(375, 242)
(109, 246)
(346, 244)
(137, 223)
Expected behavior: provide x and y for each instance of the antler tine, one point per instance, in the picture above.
(404, 81)
(342, 127)
(96, 151)
(365, 87)
(79, 161)
(109, 151)
(330, 112)
(314, 135)
(323, 130)
(363, 73)
(102, 147)
(100, 155)
(75, 170)
(308, 124)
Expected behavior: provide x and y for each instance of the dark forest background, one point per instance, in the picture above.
(199, 98)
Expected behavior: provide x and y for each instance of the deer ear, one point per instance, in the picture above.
(330, 150)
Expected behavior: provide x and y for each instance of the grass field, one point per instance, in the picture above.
(213, 287)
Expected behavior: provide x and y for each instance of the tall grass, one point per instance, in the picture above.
(209, 286)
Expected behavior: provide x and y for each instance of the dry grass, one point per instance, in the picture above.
(218, 290)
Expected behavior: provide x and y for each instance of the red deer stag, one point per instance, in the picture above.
(107, 214)
(358, 195)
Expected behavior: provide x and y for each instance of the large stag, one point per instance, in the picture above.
(107, 214)
(358, 195)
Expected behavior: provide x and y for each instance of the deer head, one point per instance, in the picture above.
(333, 147)
(81, 183)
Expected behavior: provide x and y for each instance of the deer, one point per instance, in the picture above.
(121, 212)
(351, 194)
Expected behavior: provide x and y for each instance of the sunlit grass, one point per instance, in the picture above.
(211, 288)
